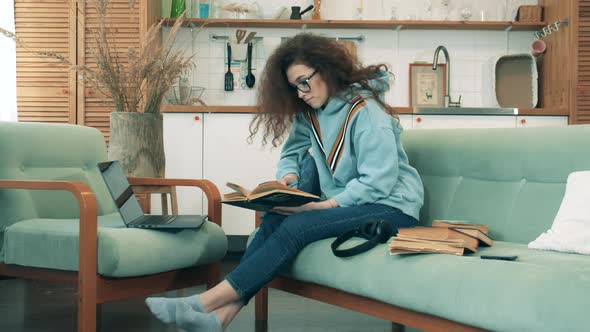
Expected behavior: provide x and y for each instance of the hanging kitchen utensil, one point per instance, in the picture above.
(296, 12)
(250, 37)
(229, 77)
(250, 79)
(240, 35)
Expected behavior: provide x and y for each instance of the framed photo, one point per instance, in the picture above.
(427, 86)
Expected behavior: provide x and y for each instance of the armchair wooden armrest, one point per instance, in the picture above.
(168, 186)
(87, 295)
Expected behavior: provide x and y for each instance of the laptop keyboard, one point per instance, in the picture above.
(153, 220)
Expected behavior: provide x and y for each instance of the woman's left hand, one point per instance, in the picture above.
(287, 210)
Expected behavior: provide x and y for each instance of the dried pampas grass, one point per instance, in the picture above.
(135, 80)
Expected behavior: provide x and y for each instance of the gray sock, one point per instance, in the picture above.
(193, 321)
(165, 308)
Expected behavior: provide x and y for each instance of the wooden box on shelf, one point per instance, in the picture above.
(530, 13)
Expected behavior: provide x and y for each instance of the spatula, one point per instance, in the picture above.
(249, 37)
(250, 79)
(229, 77)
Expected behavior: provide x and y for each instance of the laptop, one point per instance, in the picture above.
(128, 205)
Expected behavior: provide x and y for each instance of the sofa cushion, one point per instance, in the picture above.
(539, 292)
(497, 177)
(122, 252)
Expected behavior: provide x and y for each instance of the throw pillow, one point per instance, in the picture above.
(570, 231)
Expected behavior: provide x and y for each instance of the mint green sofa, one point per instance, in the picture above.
(58, 222)
(510, 179)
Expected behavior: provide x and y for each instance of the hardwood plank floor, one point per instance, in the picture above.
(52, 308)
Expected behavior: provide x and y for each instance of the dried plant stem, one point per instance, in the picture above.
(131, 79)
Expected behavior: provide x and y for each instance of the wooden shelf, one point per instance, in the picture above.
(361, 24)
(399, 110)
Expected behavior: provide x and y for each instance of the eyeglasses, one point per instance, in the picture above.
(303, 86)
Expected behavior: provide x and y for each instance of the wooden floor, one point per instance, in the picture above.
(53, 309)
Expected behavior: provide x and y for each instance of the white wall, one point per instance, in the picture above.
(7, 64)
(472, 53)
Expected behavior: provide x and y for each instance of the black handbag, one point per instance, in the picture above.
(374, 231)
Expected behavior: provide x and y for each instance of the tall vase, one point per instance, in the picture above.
(137, 141)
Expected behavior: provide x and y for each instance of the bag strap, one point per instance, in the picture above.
(374, 231)
(336, 152)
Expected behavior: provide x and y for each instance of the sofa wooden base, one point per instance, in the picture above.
(398, 315)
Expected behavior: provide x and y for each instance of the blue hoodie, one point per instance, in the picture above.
(373, 167)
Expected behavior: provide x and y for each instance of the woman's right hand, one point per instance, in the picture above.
(289, 178)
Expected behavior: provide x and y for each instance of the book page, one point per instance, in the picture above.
(235, 196)
(270, 186)
(245, 192)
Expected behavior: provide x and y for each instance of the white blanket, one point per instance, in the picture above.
(570, 231)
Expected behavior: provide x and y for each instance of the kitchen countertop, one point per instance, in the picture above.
(466, 111)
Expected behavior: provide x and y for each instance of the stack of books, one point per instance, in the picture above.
(445, 237)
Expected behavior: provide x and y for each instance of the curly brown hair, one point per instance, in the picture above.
(278, 102)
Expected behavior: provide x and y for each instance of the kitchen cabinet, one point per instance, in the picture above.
(541, 121)
(462, 121)
(183, 147)
(213, 146)
(228, 157)
(405, 120)
(489, 121)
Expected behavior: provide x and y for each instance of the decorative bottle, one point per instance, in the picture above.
(178, 7)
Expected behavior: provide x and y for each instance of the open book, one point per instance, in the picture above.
(266, 196)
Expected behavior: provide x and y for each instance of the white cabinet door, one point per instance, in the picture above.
(405, 120)
(524, 121)
(463, 121)
(183, 146)
(229, 158)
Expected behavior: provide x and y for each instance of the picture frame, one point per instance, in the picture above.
(427, 86)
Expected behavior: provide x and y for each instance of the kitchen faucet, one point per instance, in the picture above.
(447, 97)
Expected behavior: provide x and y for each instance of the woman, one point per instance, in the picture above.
(334, 108)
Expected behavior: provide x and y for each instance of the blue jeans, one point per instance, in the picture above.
(280, 238)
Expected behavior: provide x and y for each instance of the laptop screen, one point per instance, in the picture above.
(120, 188)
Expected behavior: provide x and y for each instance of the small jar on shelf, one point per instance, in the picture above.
(204, 7)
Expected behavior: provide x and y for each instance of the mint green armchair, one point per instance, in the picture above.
(59, 223)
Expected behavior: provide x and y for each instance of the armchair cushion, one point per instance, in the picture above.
(122, 252)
